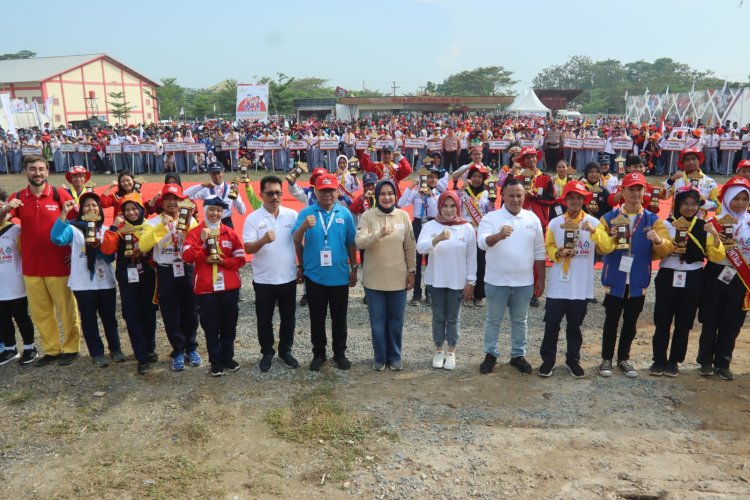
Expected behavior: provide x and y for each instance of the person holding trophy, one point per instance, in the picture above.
(691, 175)
(92, 278)
(635, 237)
(386, 168)
(229, 193)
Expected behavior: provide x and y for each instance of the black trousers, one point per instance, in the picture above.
(554, 310)
(178, 309)
(722, 317)
(481, 264)
(551, 157)
(319, 299)
(678, 304)
(18, 310)
(267, 297)
(139, 312)
(103, 303)
(450, 161)
(614, 307)
(416, 225)
(218, 316)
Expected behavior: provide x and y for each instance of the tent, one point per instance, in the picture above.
(527, 103)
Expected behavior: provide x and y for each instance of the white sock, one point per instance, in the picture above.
(28, 347)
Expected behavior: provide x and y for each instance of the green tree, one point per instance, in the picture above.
(119, 107)
(21, 54)
(482, 81)
(170, 97)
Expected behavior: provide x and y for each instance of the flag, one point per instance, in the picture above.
(214, 108)
(626, 95)
(724, 88)
(182, 111)
(662, 125)
(48, 106)
(667, 92)
(341, 92)
(692, 90)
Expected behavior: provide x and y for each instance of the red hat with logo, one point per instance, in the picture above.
(734, 181)
(690, 151)
(530, 150)
(634, 179)
(78, 169)
(743, 164)
(326, 181)
(576, 187)
(174, 190)
(477, 168)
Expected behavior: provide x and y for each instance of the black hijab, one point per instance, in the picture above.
(81, 224)
(693, 253)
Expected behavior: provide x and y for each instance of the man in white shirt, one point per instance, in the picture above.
(711, 151)
(514, 242)
(268, 236)
(217, 187)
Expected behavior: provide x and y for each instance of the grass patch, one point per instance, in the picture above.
(16, 397)
(315, 416)
(195, 432)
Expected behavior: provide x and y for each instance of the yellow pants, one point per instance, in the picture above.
(47, 294)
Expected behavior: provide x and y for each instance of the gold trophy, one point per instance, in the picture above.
(244, 164)
(371, 146)
(571, 235)
(138, 182)
(622, 232)
(354, 166)
(727, 230)
(213, 247)
(127, 231)
(233, 189)
(491, 183)
(295, 172)
(694, 183)
(185, 210)
(89, 187)
(90, 219)
(655, 199)
(593, 205)
(423, 187)
(527, 176)
(681, 227)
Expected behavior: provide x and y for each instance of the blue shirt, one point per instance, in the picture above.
(340, 236)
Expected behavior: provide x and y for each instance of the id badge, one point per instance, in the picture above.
(219, 283)
(326, 259)
(678, 279)
(133, 276)
(626, 262)
(558, 210)
(178, 269)
(100, 274)
(565, 276)
(726, 275)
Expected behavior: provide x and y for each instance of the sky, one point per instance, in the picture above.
(352, 43)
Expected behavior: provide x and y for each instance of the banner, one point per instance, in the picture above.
(297, 145)
(573, 143)
(68, 148)
(412, 143)
(84, 148)
(501, 144)
(361, 144)
(31, 151)
(596, 144)
(131, 148)
(148, 148)
(730, 145)
(622, 144)
(173, 147)
(113, 149)
(197, 147)
(231, 145)
(673, 145)
(252, 102)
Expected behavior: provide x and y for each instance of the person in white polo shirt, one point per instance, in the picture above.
(514, 242)
(268, 236)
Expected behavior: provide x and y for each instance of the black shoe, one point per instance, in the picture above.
(534, 302)
(706, 370)
(47, 359)
(414, 302)
(100, 361)
(364, 300)
(142, 367)
(342, 363)
(231, 365)
(427, 300)
(265, 362)
(68, 358)
(303, 300)
(724, 373)
(592, 301)
(153, 357)
(7, 356)
(289, 360)
(28, 356)
(657, 369)
(217, 370)
(671, 370)
(117, 356)
(316, 363)
(488, 364)
(546, 369)
(521, 363)
(575, 368)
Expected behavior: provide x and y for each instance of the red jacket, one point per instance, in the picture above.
(397, 174)
(358, 205)
(195, 251)
(540, 202)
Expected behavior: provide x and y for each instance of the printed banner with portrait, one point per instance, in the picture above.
(252, 101)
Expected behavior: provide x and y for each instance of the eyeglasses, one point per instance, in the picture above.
(273, 194)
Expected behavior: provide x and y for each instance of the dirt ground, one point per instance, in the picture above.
(80, 431)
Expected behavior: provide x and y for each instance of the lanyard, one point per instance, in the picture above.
(422, 208)
(635, 225)
(325, 227)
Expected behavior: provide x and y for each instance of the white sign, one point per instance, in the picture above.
(573, 143)
(414, 143)
(434, 145)
(232, 145)
(113, 149)
(501, 144)
(173, 147)
(381, 143)
(197, 147)
(595, 144)
(671, 145)
(148, 148)
(252, 102)
(31, 151)
(297, 144)
(131, 148)
(730, 145)
(253, 145)
(84, 148)
(68, 148)
(622, 144)
(361, 144)
(271, 145)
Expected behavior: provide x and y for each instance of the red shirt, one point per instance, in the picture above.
(40, 257)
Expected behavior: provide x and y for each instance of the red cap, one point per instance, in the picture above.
(317, 172)
(78, 169)
(529, 150)
(743, 164)
(690, 151)
(579, 188)
(477, 168)
(734, 181)
(326, 181)
(634, 179)
(173, 189)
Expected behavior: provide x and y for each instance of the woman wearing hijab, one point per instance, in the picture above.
(136, 277)
(451, 273)
(679, 281)
(92, 278)
(389, 269)
(725, 292)
(217, 282)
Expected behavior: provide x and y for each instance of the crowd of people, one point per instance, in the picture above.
(486, 229)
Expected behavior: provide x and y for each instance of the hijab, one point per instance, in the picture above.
(91, 253)
(730, 194)
(693, 253)
(378, 188)
(457, 220)
(212, 201)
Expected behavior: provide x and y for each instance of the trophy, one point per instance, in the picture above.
(127, 231)
(90, 219)
(89, 187)
(620, 164)
(185, 210)
(727, 230)
(213, 246)
(528, 178)
(244, 177)
(423, 187)
(491, 183)
(571, 235)
(655, 199)
(593, 205)
(295, 172)
(622, 232)
(694, 183)
(371, 146)
(137, 183)
(681, 228)
(233, 189)
(354, 166)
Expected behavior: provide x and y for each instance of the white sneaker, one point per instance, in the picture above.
(438, 359)
(450, 361)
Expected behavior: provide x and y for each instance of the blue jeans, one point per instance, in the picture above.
(446, 321)
(516, 298)
(386, 323)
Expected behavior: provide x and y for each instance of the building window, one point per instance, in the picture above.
(148, 116)
(58, 118)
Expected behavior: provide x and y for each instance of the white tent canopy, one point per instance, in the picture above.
(527, 103)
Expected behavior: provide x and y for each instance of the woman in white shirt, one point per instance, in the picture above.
(451, 274)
